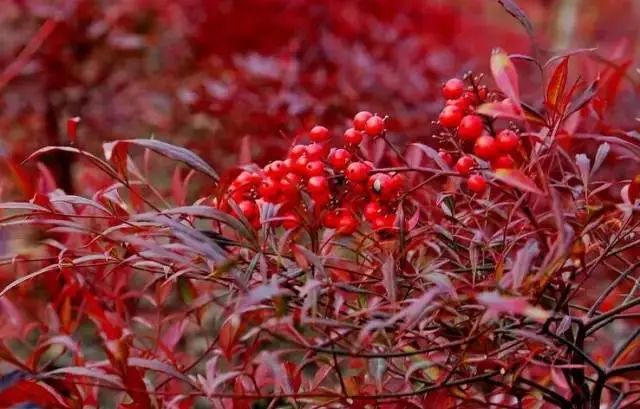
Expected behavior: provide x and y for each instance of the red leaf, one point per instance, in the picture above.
(25, 391)
(515, 178)
(165, 149)
(556, 86)
(506, 77)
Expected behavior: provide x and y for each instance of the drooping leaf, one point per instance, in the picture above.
(517, 179)
(432, 154)
(177, 153)
(514, 9)
(584, 98)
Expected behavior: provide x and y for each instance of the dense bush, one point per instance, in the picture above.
(470, 247)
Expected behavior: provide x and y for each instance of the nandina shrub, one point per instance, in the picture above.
(496, 269)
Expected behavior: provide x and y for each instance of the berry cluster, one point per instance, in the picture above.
(323, 183)
(466, 132)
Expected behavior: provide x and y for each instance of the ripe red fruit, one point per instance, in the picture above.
(450, 116)
(384, 221)
(315, 168)
(296, 151)
(374, 126)
(486, 147)
(464, 164)
(372, 210)
(462, 103)
(453, 88)
(446, 157)
(634, 188)
(318, 185)
(357, 172)
(269, 189)
(347, 224)
(339, 158)
(289, 186)
(330, 219)
(503, 162)
(470, 128)
(249, 208)
(477, 183)
(300, 165)
(290, 220)
(247, 179)
(507, 141)
(319, 134)
(276, 169)
(316, 151)
(320, 199)
(360, 120)
(380, 184)
(398, 182)
(352, 136)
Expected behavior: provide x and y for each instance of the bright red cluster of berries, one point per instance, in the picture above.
(468, 132)
(319, 185)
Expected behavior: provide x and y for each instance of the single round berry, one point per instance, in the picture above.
(339, 158)
(352, 136)
(453, 88)
(330, 219)
(461, 103)
(320, 199)
(347, 224)
(470, 128)
(315, 168)
(318, 185)
(504, 162)
(357, 172)
(296, 151)
(276, 169)
(464, 165)
(398, 182)
(374, 126)
(247, 179)
(507, 141)
(446, 157)
(269, 189)
(372, 210)
(486, 147)
(290, 220)
(249, 208)
(450, 116)
(477, 183)
(289, 186)
(319, 134)
(316, 151)
(384, 221)
(380, 184)
(360, 120)
(300, 165)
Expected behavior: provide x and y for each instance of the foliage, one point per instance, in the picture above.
(492, 264)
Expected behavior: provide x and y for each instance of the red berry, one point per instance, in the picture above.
(384, 221)
(296, 151)
(289, 186)
(398, 182)
(249, 208)
(450, 116)
(315, 168)
(269, 189)
(316, 151)
(300, 165)
(330, 219)
(319, 134)
(347, 224)
(320, 199)
(318, 185)
(461, 103)
(380, 184)
(446, 157)
(247, 179)
(477, 183)
(357, 172)
(507, 141)
(276, 169)
(486, 147)
(360, 120)
(464, 165)
(470, 128)
(372, 210)
(352, 136)
(374, 126)
(453, 88)
(503, 162)
(339, 158)
(290, 220)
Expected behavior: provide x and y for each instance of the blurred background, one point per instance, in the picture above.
(217, 76)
